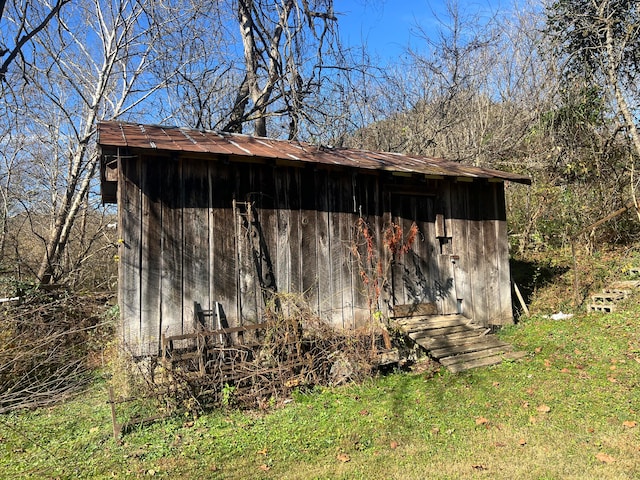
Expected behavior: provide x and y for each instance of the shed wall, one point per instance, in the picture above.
(200, 230)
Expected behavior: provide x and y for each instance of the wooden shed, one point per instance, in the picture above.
(220, 221)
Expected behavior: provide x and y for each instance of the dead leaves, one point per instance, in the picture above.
(482, 421)
(543, 408)
(605, 458)
(630, 424)
(343, 457)
(264, 467)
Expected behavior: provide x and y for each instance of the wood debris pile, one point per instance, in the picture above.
(291, 349)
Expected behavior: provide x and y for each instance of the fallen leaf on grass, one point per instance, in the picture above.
(612, 379)
(262, 452)
(364, 412)
(605, 458)
(538, 349)
(630, 423)
(393, 445)
(565, 370)
(522, 442)
(343, 457)
(482, 421)
(544, 408)
(264, 467)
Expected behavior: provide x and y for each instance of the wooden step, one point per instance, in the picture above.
(471, 346)
(465, 357)
(458, 339)
(441, 332)
(481, 362)
(434, 319)
(454, 340)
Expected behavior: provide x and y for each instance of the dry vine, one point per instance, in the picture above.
(46, 342)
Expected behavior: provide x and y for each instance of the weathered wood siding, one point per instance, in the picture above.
(203, 230)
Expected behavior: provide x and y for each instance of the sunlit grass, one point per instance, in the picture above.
(568, 410)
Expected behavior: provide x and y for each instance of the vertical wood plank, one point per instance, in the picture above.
(502, 245)
(448, 294)
(282, 260)
(459, 240)
(172, 238)
(196, 248)
(323, 248)
(384, 221)
(151, 261)
(363, 186)
(491, 273)
(247, 242)
(397, 262)
(477, 255)
(347, 215)
(336, 258)
(309, 238)
(295, 233)
(264, 198)
(129, 251)
(223, 251)
(432, 251)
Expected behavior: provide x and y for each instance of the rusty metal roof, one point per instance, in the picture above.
(174, 139)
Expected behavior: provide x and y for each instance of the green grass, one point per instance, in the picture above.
(558, 414)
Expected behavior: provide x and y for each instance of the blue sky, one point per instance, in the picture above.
(388, 26)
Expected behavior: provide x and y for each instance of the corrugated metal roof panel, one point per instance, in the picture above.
(119, 134)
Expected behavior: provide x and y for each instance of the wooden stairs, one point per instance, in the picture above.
(455, 341)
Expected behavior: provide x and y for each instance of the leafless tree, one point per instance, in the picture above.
(92, 64)
(27, 19)
(263, 63)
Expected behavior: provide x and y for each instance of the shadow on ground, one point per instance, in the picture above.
(530, 275)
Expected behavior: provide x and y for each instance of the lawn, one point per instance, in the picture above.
(570, 409)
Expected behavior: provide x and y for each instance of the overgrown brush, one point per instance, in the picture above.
(295, 349)
(48, 346)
